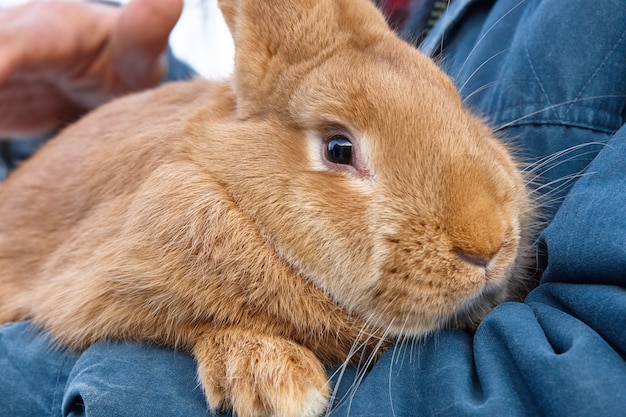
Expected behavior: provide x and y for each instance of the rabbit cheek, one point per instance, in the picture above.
(420, 288)
(451, 261)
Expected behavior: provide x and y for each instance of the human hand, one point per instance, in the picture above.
(61, 58)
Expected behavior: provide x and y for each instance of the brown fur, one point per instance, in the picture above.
(200, 214)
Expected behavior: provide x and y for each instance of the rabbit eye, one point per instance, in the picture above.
(339, 150)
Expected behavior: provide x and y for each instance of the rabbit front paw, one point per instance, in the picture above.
(257, 375)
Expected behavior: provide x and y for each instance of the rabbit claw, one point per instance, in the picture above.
(258, 376)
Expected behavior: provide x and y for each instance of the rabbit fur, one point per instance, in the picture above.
(207, 216)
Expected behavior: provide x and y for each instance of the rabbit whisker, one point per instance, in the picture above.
(494, 56)
(487, 32)
(554, 106)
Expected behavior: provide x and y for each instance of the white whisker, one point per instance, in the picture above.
(553, 106)
(482, 88)
(362, 370)
(363, 364)
(443, 35)
(484, 35)
(389, 387)
(400, 342)
(563, 181)
(497, 54)
(396, 349)
(549, 159)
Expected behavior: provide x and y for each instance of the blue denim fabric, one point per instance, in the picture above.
(527, 359)
(12, 153)
(115, 379)
(177, 69)
(32, 372)
(106, 380)
(550, 76)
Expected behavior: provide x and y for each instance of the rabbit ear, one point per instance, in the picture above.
(278, 41)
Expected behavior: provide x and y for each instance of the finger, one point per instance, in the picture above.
(46, 109)
(6, 67)
(12, 42)
(43, 36)
(140, 38)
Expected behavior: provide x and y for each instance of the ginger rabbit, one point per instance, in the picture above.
(333, 192)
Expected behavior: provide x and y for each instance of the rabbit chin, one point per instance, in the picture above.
(466, 317)
(469, 315)
(415, 319)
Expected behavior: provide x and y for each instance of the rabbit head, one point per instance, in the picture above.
(363, 169)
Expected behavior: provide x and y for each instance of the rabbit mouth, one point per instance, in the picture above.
(468, 315)
(406, 317)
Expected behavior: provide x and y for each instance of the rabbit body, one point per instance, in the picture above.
(209, 216)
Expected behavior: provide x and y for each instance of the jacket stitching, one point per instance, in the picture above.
(536, 75)
(596, 72)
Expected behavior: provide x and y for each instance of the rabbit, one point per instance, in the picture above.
(333, 193)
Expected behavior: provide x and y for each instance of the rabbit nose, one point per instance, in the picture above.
(473, 258)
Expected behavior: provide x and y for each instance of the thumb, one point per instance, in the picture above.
(139, 40)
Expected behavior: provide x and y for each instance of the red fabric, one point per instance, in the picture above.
(395, 10)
